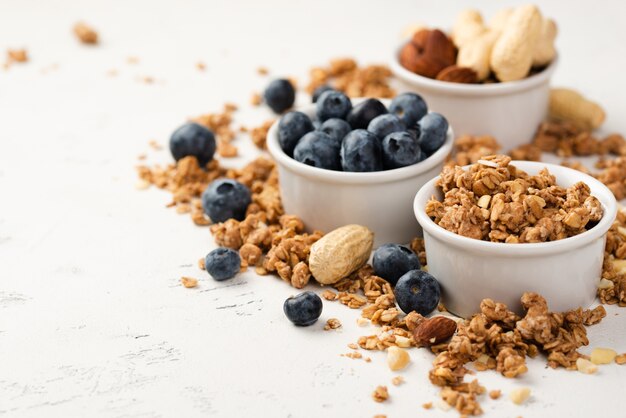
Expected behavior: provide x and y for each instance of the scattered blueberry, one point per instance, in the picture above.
(336, 128)
(383, 125)
(361, 151)
(333, 104)
(222, 263)
(303, 309)
(318, 149)
(291, 128)
(318, 92)
(409, 107)
(225, 199)
(433, 130)
(417, 291)
(193, 139)
(391, 261)
(400, 149)
(280, 95)
(362, 114)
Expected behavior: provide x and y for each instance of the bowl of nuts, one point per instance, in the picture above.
(488, 79)
(499, 228)
(359, 161)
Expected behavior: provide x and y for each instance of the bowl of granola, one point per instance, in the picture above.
(488, 78)
(499, 228)
(326, 199)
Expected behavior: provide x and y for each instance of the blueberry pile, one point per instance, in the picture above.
(362, 138)
(414, 289)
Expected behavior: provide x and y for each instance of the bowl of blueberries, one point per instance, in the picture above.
(362, 161)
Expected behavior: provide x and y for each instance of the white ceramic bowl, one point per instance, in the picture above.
(510, 111)
(566, 272)
(326, 199)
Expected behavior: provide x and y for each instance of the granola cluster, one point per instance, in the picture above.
(186, 181)
(220, 124)
(498, 339)
(345, 75)
(495, 201)
(612, 288)
(469, 149)
(85, 33)
(566, 140)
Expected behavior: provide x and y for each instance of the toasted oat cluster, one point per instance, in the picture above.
(495, 201)
(345, 75)
(469, 149)
(497, 338)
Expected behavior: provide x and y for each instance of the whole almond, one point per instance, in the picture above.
(456, 74)
(437, 53)
(434, 330)
(409, 55)
(340, 252)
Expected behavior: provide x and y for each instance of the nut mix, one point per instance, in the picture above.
(513, 45)
(494, 201)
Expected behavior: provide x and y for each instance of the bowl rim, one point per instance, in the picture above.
(461, 89)
(598, 189)
(347, 177)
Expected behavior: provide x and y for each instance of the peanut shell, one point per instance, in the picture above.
(340, 252)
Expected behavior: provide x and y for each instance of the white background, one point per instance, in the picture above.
(93, 321)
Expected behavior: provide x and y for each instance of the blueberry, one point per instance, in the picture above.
(318, 149)
(222, 263)
(361, 151)
(303, 309)
(333, 104)
(336, 128)
(279, 95)
(291, 128)
(225, 199)
(383, 125)
(400, 149)
(417, 291)
(433, 130)
(391, 261)
(409, 107)
(195, 140)
(363, 113)
(318, 92)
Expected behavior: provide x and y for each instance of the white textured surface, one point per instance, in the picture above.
(92, 319)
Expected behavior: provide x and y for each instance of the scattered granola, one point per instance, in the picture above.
(200, 66)
(397, 380)
(469, 149)
(492, 200)
(259, 134)
(256, 99)
(16, 55)
(500, 339)
(332, 323)
(220, 124)
(345, 75)
(621, 358)
(427, 405)
(380, 394)
(495, 394)
(262, 71)
(189, 282)
(566, 139)
(353, 355)
(85, 33)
